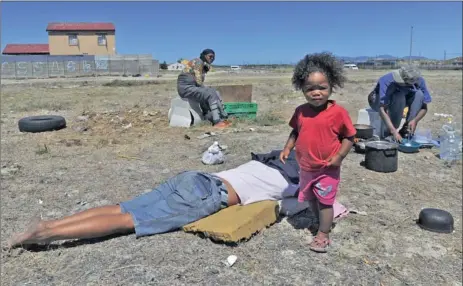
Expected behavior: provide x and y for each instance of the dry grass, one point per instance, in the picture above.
(125, 146)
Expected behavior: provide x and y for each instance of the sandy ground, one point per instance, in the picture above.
(98, 162)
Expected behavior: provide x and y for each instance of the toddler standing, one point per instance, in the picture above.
(323, 135)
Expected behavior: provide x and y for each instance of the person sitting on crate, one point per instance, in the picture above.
(394, 92)
(190, 86)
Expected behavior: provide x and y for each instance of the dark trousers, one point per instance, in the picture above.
(399, 100)
(208, 98)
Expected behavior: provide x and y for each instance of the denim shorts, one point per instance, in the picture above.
(182, 199)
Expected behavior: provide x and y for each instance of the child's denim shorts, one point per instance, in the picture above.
(182, 199)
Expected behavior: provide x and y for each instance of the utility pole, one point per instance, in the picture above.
(445, 55)
(411, 44)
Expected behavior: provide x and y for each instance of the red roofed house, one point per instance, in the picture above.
(71, 39)
(26, 49)
(82, 39)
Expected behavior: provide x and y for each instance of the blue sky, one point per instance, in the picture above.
(252, 32)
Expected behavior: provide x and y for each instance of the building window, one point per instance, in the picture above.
(73, 41)
(101, 40)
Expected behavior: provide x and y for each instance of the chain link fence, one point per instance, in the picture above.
(44, 66)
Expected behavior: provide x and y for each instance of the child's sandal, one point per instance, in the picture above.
(320, 244)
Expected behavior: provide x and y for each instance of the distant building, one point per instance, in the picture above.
(71, 39)
(457, 61)
(97, 39)
(175, 67)
(26, 49)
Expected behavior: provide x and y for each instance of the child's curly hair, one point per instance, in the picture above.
(323, 62)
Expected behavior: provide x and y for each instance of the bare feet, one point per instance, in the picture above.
(30, 236)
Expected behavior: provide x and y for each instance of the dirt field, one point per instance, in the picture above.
(98, 161)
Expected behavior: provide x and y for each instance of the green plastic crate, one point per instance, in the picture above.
(241, 109)
(243, 115)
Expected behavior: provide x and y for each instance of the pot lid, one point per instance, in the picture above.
(363, 126)
(381, 145)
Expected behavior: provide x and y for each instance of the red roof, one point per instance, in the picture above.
(81, 27)
(15, 49)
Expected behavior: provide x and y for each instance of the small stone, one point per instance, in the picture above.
(80, 128)
(165, 171)
(82, 118)
(10, 170)
(203, 136)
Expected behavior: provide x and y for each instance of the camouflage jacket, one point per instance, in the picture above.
(198, 69)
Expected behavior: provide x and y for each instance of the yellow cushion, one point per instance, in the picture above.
(236, 223)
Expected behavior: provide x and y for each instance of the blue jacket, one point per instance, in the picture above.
(387, 86)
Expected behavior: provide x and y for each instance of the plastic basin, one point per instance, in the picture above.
(409, 146)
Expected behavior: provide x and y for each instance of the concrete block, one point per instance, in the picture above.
(180, 117)
(184, 112)
(236, 223)
(235, 93)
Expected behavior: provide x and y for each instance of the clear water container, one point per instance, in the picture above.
(423, 136)
(450, 142)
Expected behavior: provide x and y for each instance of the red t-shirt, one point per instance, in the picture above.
(320, 134)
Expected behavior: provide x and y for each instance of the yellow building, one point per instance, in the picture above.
(97, 39)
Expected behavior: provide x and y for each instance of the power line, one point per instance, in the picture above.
(411, 41)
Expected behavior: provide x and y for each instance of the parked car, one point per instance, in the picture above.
(351, 66)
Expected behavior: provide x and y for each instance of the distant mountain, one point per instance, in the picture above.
(362, 59)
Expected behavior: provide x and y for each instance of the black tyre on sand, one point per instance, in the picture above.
(41, 123)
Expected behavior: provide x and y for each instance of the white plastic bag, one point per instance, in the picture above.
(213, 155)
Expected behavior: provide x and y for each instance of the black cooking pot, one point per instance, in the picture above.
(359, 147)
(381, 156)
(364, 131)
(435, 220)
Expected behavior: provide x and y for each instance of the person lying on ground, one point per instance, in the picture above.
(323, 135)
(190, 85)
(182, 199)
(393, 92)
